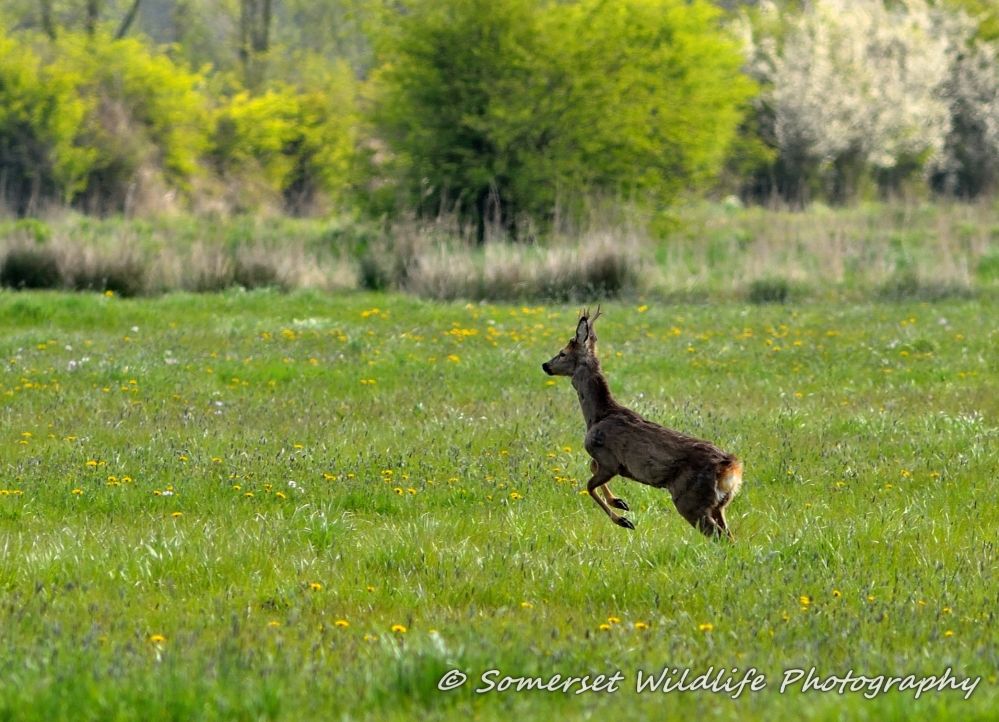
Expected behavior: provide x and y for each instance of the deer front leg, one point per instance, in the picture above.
(615, 501)
(599, 479)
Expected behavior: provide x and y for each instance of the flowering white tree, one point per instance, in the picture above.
(970, 163)
(857, 85)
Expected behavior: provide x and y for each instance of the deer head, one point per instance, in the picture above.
(580, 350)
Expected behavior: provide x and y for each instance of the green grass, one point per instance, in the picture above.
(239, 472)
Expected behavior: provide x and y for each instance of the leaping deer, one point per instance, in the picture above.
(701, 478)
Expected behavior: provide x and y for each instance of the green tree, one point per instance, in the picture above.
(501, 109)
(41, 121)
(147, 120)
(299, 142)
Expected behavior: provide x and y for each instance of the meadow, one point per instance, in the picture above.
(256, 506)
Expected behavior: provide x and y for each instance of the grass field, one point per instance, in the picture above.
(265, 506)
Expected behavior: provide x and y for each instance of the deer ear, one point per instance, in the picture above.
(582, 331)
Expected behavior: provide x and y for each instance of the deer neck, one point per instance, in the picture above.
(595, 398)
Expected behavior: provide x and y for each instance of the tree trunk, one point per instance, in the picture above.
(254, 38)
(93, 12)
(48, 24)
(127, 21)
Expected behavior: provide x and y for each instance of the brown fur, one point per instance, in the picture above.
(701, 478)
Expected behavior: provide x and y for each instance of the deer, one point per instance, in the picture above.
(701, 478)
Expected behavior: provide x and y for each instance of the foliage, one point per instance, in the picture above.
(856, 85)
(970, 165)
(147, 122)
(299, 142)
(499, 109)
(41, 120)
(890, 94)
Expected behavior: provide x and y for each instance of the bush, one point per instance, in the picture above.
(874, 94)
(30, 267)
(906, 285)
(769, 290)
(301, 144)
(41, 119)
(123, 273)
(147, 124)
(506, 110)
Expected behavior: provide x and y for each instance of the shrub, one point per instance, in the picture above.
(856, 85)
(769, 290)
(30, 267)
(146, 126)
(123, 272)
(41, 119)
(300, 143)
(906, 285)
(502, 110)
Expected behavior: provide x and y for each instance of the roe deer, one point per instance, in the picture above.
(701, 478)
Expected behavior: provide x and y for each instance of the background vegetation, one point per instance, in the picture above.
(517, 114)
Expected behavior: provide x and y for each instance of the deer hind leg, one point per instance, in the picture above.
(615, 501)
(718, 516)
(698, 505)
(599, 480)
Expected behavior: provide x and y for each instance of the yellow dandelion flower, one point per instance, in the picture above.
(641, 626)
(614, 620)
(399, 629)
(315, 586)
(837, 593)
(78, 492)
(342, 623)
(949, 633)
(157, 638)
(370, 637)
(642, 309)
(871, 597)
(370, 588)
(280, 495)
(274, 623)
(705, 627)
(604, 627)
(946, 610)
(515, 496)
(526, 605)
(804, 600)
(453, 358)
(177, 514)
(92, 463)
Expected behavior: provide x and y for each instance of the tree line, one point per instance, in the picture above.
(514, 113)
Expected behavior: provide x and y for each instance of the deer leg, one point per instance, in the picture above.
(718, 516)
(597, 481)
(615, 501)
(699, 515)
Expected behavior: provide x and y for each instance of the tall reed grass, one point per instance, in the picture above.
(700, 252)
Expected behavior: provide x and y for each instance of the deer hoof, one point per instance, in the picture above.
(626, 523)
(620, 504)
